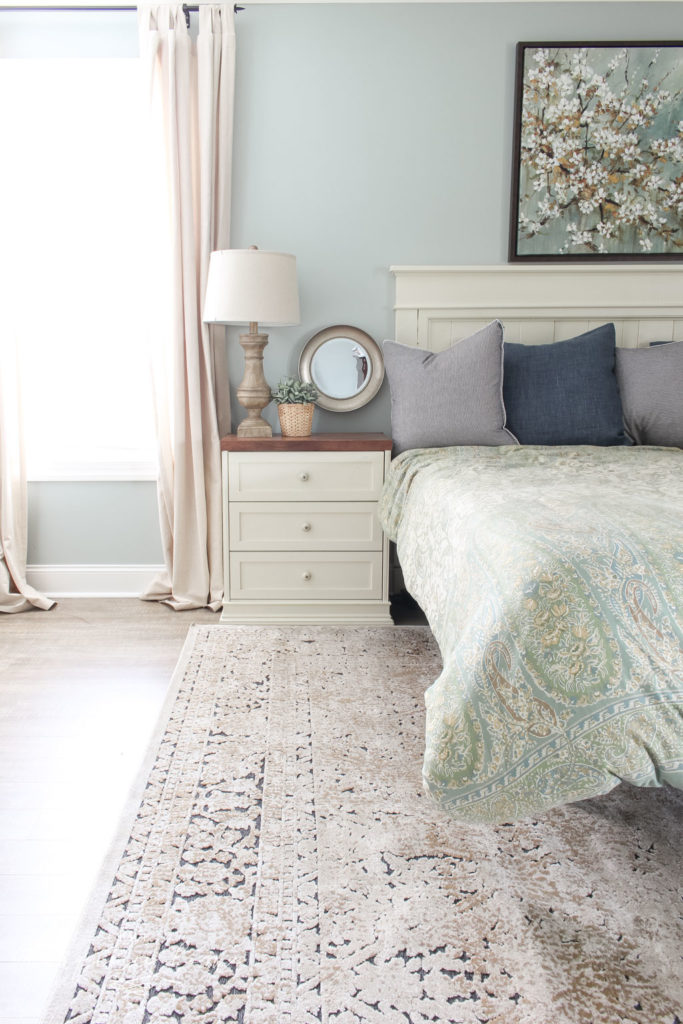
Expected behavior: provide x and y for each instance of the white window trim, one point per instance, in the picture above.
(74, 472)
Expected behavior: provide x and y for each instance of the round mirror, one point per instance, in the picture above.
(340, 368)
(346, 366)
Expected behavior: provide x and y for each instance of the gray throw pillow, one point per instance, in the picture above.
(451, 397)
(651, 386)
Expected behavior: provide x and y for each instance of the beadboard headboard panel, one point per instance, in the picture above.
(437, 306)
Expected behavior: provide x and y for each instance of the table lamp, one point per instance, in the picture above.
(252, 286)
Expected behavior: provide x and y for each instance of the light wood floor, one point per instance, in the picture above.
(81, 688)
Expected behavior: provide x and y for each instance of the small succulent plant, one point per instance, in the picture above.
(294, 391)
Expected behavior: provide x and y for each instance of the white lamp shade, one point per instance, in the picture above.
(251, 285)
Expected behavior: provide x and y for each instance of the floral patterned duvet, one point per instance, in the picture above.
(552, 579)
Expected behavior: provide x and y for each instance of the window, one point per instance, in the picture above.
(74, 260)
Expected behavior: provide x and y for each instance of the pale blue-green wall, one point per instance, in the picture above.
(365, 135)
(112, 523)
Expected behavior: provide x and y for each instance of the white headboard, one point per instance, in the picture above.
(437, 306)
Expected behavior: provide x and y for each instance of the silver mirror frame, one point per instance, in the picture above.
(374, 381)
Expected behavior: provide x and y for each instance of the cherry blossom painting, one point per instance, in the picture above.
(598, 152)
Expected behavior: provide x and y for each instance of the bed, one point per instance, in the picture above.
(551, 574)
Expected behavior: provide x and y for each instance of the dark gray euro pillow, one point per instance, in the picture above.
(651, 387)
(447, 398)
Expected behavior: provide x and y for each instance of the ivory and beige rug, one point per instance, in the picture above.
(284, 866)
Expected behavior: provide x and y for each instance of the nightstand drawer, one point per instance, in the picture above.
(305, 476)
(293, 575)
(304, 526)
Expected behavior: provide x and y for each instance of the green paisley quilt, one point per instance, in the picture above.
(552, 579)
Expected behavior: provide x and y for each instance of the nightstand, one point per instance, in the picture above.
(301, 538)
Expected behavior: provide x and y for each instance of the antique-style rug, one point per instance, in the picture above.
(284, 866)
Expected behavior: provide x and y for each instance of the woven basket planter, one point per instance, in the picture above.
(296, 420)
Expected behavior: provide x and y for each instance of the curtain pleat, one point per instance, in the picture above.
(15, 593)
(191, 96)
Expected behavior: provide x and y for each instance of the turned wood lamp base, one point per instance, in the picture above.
(254, 393)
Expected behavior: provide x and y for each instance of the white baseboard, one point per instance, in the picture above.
(92, 580)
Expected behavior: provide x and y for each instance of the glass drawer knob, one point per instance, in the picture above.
(306, 576)
(306, 527)
(303, 476)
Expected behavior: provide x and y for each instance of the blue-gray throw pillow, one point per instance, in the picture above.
(448, 398)
(565, 392)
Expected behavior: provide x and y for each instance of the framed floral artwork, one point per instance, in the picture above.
(598, 152)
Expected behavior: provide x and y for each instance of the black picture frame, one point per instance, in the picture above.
(595, 154)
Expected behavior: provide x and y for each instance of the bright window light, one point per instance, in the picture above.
(74, 260)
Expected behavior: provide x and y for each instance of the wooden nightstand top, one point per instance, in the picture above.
(313, 443)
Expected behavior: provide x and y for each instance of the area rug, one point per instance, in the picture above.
(285, 867)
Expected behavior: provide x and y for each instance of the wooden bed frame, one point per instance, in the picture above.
(437, 306)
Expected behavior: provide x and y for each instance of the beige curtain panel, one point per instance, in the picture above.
(15, 593)
(191, 100)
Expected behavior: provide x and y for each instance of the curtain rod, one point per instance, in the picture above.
(187, 8)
